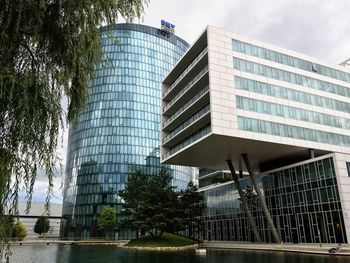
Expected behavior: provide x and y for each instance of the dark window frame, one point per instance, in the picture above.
(348, 168)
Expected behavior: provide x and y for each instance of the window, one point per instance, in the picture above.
(274, 56)
(290, 94)
(290, 77)
(249, 124)
(348, 168)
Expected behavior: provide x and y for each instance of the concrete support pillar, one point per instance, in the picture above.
(261, 200)
(311, 153)
(244, 201)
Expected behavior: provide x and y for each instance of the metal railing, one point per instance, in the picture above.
(188, 68)
(186, 88)
(187, 123)
(192, 138)
(186, 106)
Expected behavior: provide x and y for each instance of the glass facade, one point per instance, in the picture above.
(209, 176)
(186, 104)
(290, 94)
(290, 77)
(205, 171)
(189, 139)
(189, 68)
(284, 130)
(294, 93)
(291, 61)
(275, 109)
(199, 114)
(303, 200)
(118, 133)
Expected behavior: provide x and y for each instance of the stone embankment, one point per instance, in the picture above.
(118, 243)
(284, 247)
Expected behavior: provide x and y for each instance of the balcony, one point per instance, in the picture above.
(196, 98)
(189, 85)
(183, 74)
(187, 141)
(175, 133)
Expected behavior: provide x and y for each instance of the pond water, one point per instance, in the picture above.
(108, 254)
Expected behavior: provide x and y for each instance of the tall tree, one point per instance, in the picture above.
(151, 205)
(48, 49)
(192, 205)
(42, 225)
(108, 221)
(133, 195)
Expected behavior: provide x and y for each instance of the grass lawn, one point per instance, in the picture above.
(167, 240)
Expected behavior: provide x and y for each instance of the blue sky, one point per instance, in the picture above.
(317, 28)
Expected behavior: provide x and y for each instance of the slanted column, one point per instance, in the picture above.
(244, 201)
(311, 153)
(240, 169)
(261, 200)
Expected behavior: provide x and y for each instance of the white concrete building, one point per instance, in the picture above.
(231, 95)
(37, 210)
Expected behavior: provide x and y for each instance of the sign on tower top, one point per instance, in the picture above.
(166, 26)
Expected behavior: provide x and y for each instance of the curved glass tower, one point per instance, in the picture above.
(119, 130)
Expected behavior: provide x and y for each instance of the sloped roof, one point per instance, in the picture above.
(37, 209)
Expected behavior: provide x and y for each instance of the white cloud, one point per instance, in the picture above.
(317, 28)
(41, 187)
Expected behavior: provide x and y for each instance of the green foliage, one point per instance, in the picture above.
(151, 203)
(220, 179)
(251, 198)
(108, 220)
(19, 231)
(48, 49)
(133, 195)
(42, 225)
(166, 240)
(6, 228)
(192, 206)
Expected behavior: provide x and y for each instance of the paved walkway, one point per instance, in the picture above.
(286, 247)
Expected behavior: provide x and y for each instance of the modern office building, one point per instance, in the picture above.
(118, 133)
(209, 176)
(231, 96)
